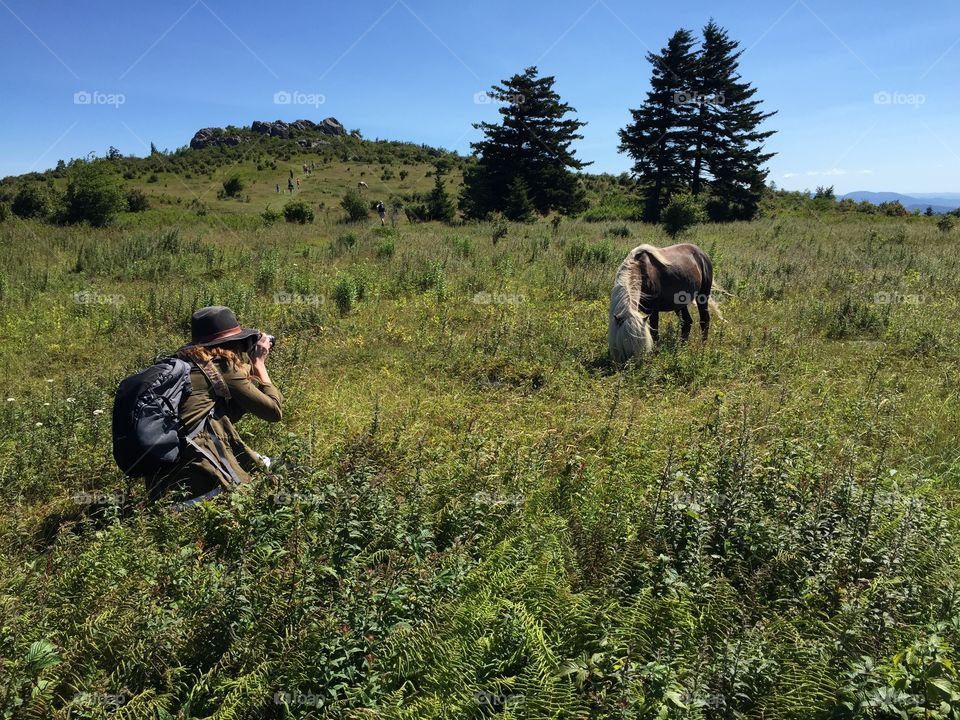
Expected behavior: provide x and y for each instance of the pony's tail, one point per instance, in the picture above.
(713, 305)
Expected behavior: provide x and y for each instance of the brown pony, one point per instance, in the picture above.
(651, 280)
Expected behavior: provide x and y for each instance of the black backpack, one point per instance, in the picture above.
(146, 417)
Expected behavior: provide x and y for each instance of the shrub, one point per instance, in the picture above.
(94, 194)
(499, 228)
(355, 206)
(345, 293)
(32, 201)
(137, 201)
(298, 211)
(416, 212)
(462, 246)
(386, 248)
(682, 212)
(893, 209)
(619, 231)
(153, 178)
(270, 216)
(346, 241)
(945, 224)
(4, 212)
(580, 253)
(233, 186)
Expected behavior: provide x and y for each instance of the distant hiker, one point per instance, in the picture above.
(218, 390)
(381, 211)
(290, 186)
(278, 187)
(298, 183)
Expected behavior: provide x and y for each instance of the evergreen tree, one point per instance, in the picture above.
(439, 204)
(698, 129)
(532, 143)
(727, 144)
(659, 137)
(519, 207)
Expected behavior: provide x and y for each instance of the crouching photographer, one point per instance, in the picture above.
(222, 389)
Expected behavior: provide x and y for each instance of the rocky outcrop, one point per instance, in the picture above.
(208, 137)
(279, 128)
(213, 136)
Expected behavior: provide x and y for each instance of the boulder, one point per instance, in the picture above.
(211, 137)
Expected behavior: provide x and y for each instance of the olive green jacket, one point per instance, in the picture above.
(194, 474)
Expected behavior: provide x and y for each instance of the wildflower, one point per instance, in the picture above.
(39, 424)
(46, 404)
(71, 399)
(10, 399)
(49, 380)
(98, 412)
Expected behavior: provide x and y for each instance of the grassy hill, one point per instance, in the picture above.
(471, 513)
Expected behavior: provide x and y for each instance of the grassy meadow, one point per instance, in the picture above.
(472, 514)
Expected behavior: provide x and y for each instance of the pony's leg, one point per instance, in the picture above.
(703, 307)
(686, 322)
(653, 320)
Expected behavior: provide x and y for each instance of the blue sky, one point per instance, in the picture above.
(867, 92)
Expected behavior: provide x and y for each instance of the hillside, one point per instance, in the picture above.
(471, 512)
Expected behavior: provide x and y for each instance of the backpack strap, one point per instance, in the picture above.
(215, 379)
(220, 389)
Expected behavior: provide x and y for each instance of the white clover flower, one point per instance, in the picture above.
(71, 399)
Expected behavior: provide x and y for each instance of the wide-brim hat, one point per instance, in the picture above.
(215, 325)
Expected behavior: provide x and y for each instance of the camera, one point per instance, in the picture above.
(254, 339)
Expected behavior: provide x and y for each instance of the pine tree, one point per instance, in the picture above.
(439, 204)
(727, 144)
(659, 137)
(533, 143)
(519, 207)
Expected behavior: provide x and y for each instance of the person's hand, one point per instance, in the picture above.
(258, 353)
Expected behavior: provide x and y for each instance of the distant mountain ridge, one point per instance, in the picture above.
(941, 203)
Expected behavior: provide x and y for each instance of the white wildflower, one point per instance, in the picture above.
(71, 399)
(39, 424)
(98, 412)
